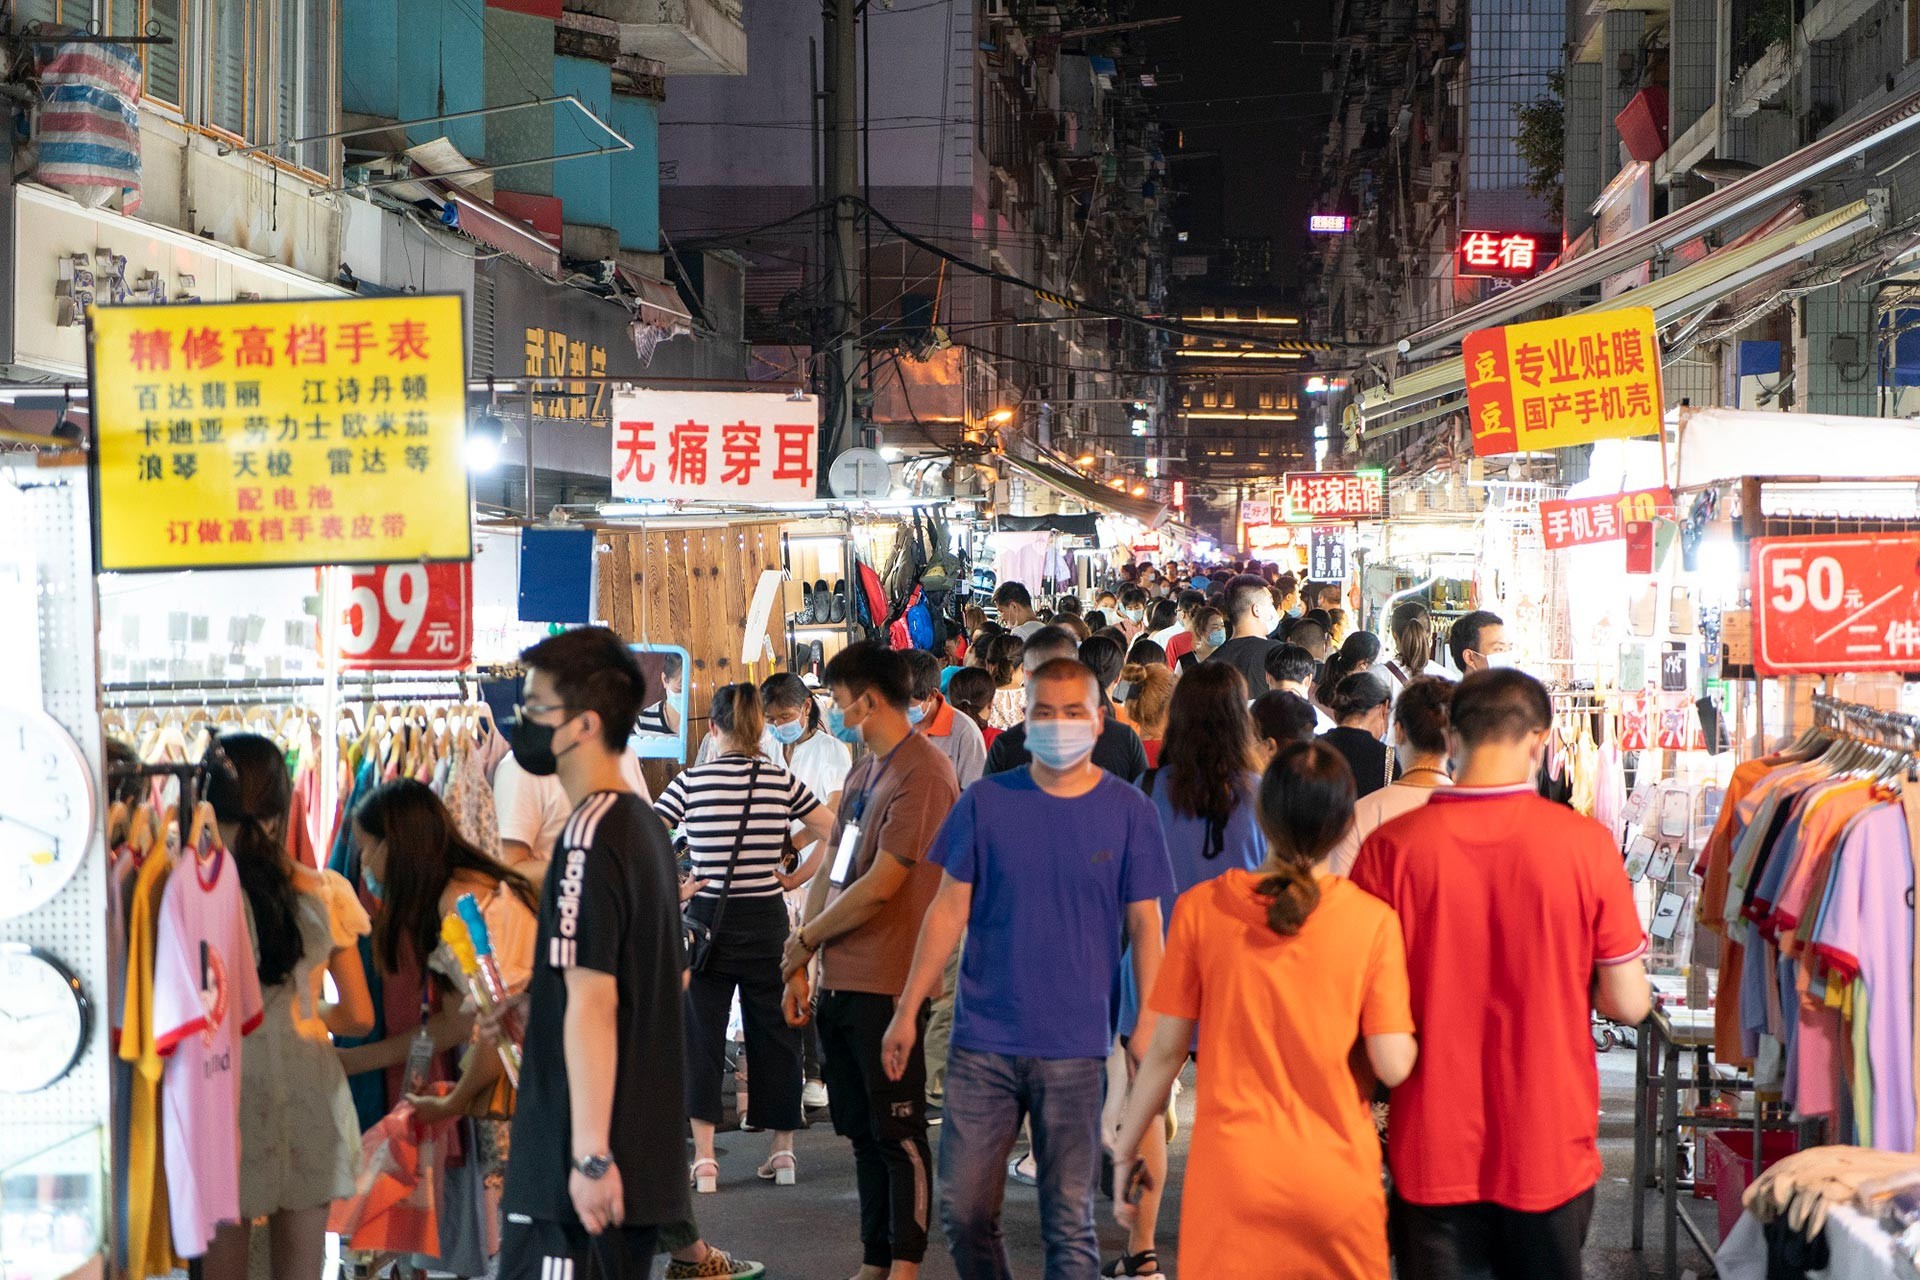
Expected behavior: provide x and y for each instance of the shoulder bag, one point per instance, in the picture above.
(700, 934)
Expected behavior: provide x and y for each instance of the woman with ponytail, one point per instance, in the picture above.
(1281, 970)
(299, 1139)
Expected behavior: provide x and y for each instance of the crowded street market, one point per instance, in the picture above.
(1111, 671)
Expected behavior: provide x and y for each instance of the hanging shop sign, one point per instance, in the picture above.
(1504, 255)
(715, 446)
(1256, 513)
(1573, 380)
(408, 617)
(1323, 496)
(1830, 604)
(1579, 522)
(311, 432)
(1327, 554)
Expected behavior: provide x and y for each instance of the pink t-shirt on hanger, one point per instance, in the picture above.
(206, 996)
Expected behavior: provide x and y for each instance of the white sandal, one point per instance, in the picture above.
(782, 1169)
(708, 1182)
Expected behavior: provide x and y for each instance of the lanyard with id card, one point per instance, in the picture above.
(845, 858)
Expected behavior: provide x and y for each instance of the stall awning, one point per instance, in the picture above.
(1081, 489)
(1683, 224)
(660, 303)
(1719, 445)
(1685, 291)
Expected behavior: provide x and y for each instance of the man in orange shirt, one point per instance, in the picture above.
(1518, 919)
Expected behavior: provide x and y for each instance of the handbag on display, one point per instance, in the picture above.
(700, 934)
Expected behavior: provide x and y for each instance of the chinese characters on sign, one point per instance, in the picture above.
(408, 617)
(1322, 496)
(1511, 255)
(1829, 604)
(281, 433)
(1256, 513)
(714, 446)
(1327, 555)
(1328, 224)
(1579, 522)
(1580, 378)
(567, 365)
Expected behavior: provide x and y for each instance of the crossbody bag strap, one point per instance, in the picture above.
(739, 844)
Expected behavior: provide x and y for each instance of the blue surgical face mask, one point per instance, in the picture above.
(915, 713)
(1131, 615)
(1216, 637)
(372, 882)
(789, 733)
(1298, 611)
(837, 725)
(1060, 744)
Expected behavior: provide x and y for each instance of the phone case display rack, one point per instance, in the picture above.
(54, 1154)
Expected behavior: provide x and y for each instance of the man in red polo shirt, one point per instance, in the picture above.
(1518, 919)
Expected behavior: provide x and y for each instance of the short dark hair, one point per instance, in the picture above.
(1069, 669)
(1284, 717)
(1320, 630)
(1421, 714)
(1358, 694)
(1465, 635)
(1067, 604)
(1104, 656)
(593, 670)
(971, 690)
(1012, 593)
(1242, 593)
(1048, 644)
(1286, 584)
(1190, 600)
(1289, 663)
(1320, 616)
(869, 666)
(672, 663)
(1499, 704)
(924, 669)
(1095, 619)
(1133, 596)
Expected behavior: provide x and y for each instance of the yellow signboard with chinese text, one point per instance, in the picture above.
(1583, 377)
(254, 434)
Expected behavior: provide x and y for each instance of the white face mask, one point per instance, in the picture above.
(1501, 659)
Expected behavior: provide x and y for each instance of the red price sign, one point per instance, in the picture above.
(1822, 605)
(408, 617)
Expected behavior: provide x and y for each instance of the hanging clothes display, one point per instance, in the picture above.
(1808, 878)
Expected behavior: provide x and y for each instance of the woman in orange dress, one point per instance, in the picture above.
(1284, 970)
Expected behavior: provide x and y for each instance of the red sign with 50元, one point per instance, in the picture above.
(1829, 604)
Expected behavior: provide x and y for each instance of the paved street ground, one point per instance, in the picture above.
(809, 1232)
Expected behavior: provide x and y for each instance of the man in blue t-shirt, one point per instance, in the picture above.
(1044, 868)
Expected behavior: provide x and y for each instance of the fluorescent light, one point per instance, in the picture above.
(1241, 319)
(1197, 353)
(484, 434)
(1246, 417)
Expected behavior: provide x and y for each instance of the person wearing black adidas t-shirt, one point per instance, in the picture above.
(598, 1129)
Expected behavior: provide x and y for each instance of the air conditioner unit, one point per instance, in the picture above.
(1446, 173)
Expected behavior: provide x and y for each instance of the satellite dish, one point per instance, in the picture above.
(860, 473)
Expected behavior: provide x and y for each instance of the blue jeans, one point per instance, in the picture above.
(987, 1096)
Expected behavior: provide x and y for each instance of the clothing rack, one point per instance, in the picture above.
(188, 775)
(1889, 728)
(453, 686)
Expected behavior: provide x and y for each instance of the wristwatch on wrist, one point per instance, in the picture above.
(595, 1167)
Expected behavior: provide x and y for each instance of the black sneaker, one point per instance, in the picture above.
(1134, 1266)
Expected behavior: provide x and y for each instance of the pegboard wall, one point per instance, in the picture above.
(46, 529)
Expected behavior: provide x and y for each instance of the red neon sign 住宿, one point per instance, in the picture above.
(1512, 255)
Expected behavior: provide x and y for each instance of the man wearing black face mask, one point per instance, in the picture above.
(598, 1131)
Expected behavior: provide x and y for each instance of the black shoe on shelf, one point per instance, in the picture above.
(822, 601)
(839, 602)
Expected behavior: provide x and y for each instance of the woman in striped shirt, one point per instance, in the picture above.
(735, 811)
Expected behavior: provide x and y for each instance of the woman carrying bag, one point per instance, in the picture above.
(735, 811)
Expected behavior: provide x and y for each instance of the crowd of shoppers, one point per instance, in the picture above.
(1222, 840)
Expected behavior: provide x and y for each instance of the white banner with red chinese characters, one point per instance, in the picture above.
(715, 446)
(1578, 522)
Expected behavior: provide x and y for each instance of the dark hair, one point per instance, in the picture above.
(1243, 593)
(736, 713)
(1289, 663)
(1286, 584)
(1001, 656)
(1465, 635)
(1320, 617)
(867, 666)
(1133, 598)
(1421, 714)
(424, 850)
(1296, 634)
(1075, 623)
(1067, 604)
(1047, 644)
(987, 631)
(1105, 657)
(1068, 669)
(1358, 694)
(971, 690)
(671, 664)
(1012, 593)
(1208, 749)
(1411, 625)
(1306, 809)
(1498, 705)
(923, 669)
(593, 670)
(1323, 588)
(247, 786)
(786, 691)
(1097, 619)
(1190, 600)
(1360, 648)
(1163, 614)
(1147, 653)
(1284, 717)
(1152, 696)
(1114, 634)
